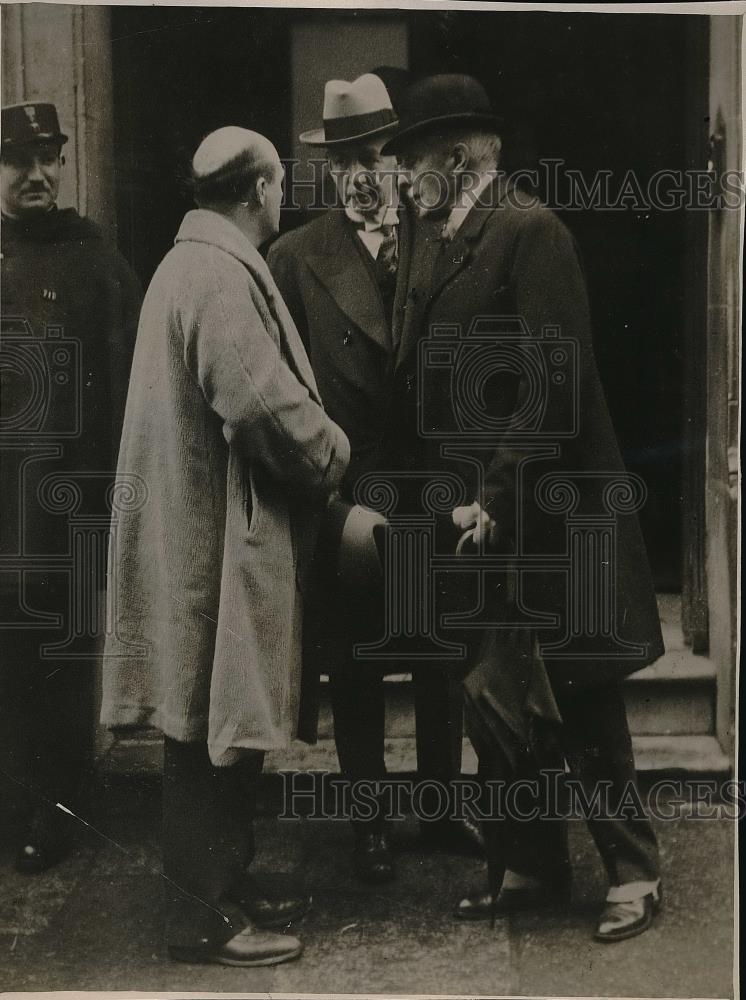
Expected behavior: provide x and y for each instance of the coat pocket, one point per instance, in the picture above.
(252, 504)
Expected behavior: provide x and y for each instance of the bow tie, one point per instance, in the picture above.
(368, 226)
(389, 217)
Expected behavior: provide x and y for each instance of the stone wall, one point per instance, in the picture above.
(62, 53)
(723, 326)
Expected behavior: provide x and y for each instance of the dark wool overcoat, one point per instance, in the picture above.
(70, 305)
(327, 278)
(496, 381)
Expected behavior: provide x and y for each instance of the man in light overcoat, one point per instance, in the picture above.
(227, 458)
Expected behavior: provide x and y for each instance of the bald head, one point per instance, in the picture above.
(228, 164)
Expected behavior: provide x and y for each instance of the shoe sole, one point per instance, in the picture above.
(631, 931)
(471, 916)
(500, 912)
(272, 960)
(624, 935)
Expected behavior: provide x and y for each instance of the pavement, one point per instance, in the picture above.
(94, 921)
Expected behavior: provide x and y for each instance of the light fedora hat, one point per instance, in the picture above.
(352, 111)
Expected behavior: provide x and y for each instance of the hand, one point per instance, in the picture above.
(474, 517)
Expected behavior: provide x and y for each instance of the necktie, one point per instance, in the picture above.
(388, 254)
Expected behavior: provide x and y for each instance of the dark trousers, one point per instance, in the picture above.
(358, 707)
(46, 718)
(595, 741)
(207, 842)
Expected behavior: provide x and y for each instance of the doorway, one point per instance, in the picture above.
(595, 91)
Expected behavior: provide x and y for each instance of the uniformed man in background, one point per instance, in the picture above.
(70, 305)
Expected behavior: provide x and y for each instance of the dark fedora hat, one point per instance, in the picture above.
(396, 81)
(446, 99)
(31, 121)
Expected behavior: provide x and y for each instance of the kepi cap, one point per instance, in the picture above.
(31, 121)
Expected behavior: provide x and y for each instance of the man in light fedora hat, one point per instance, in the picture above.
(502, 254)
(344, 277)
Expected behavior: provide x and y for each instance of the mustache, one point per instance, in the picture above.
(366, 193)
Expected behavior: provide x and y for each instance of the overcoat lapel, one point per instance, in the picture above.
(440, 262)
(407, 222)
(425, 245)
(340, 267)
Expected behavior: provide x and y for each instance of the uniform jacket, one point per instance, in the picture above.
(229, 457)
(70, 305)
(547, 452)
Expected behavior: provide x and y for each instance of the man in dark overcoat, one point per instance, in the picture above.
(70, 305)
(344, 278)
(496, 364)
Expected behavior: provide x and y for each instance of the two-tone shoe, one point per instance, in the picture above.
(629, 911)
(544, 895)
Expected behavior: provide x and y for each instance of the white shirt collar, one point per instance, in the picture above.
(464, 204)
(388, 217)
(371, 234)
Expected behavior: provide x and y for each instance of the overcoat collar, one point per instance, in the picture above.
(337, 261)
(203, 226)
(437, 263)
(456, 253)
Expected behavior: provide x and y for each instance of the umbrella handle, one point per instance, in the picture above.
(467, 536)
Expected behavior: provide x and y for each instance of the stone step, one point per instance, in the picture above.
(673, 697)
(696, 756)
(681, 756)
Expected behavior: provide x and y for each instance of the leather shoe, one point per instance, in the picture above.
(372, 858)
(478, 905)
(249, 947)
(626, 919)
(45, 844)
(462, 836)
(269, 910)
